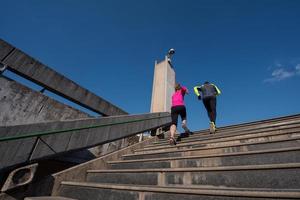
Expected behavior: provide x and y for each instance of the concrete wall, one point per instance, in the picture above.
(22, 105)
(170, 82)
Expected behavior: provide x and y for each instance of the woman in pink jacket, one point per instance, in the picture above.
(178, 108)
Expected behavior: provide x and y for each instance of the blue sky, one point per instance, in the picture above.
(250, 49)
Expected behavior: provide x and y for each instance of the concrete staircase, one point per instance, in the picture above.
(258, 160)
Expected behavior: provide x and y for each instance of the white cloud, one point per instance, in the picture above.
(282, 73)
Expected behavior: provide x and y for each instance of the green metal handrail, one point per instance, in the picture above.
(38, 134)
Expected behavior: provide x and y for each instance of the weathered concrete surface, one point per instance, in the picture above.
(108, 129)
(276, 176)
(88, 191)
(22, 105)
(48, 198)
(31, 69)
(163, 87)
(280, 155)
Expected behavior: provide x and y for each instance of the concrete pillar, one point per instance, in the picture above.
(163, 86)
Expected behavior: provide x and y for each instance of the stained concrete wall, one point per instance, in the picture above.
(22, 105)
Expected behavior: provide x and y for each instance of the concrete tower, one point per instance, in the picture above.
(163, 85)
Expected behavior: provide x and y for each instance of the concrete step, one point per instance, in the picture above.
(48, 198)
(240, 147)
(252, 125)
(89, 191)
(262, 123)
(275, 176)
(224, 134)
(273, 156)
(261, 136)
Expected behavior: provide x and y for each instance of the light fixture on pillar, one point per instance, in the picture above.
(170, 53)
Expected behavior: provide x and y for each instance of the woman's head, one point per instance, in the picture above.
(177, 86)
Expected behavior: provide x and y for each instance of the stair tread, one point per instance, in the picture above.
(220, 137)
(199, 134)
(222, 168)
(211, 147)
(200, 190)
(207, 155)
(48, 198)
(220, 140)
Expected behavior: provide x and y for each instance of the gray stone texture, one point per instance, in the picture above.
(168, 196)
(84, 193)
(127, 178)
(47, 198)
(22, 105)
(272, 178)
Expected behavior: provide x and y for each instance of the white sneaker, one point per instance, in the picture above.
(212, 127)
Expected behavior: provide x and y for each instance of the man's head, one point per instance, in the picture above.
(206, 82)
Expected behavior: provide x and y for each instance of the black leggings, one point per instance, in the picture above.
(178, 110)
(210, 104)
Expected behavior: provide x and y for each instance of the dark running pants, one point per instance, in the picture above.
(210, 104)
(178, 110)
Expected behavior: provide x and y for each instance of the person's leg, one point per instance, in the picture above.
(173, 130)
(174, 117)
(207, 106)
(213, 106)
(183, 119)
(184, 126)
(208, 103)
(183, 116)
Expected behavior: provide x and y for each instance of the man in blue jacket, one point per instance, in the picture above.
(208, 93)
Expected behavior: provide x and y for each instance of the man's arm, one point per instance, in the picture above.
(196, 90)
(217, 89)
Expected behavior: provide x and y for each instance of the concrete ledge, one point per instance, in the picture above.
(74, 135)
